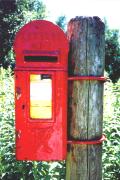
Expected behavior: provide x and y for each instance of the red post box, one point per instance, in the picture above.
(41, 51)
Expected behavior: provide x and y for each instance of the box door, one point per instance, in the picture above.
(40, 112)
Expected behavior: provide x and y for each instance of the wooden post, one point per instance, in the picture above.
(86, 58)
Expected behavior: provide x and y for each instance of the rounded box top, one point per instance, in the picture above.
(41, 43)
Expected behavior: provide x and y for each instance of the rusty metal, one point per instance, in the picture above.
(79, 78)
(98, 141)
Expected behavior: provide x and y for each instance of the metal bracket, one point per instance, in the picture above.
(99, 141)
(79, 78)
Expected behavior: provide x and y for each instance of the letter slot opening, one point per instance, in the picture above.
(41, 59)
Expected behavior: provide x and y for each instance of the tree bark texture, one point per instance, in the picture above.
(85, 113)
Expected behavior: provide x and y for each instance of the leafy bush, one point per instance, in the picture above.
(111, 148)
(23, 170)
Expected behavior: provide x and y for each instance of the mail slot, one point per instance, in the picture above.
(41, 51)
(40, 58)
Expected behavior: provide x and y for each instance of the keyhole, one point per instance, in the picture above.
(23, 106)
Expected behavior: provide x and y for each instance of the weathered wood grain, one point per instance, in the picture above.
(86, 58)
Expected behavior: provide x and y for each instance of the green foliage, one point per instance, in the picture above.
(22, 170)
(10, 168)
(7, 8)
(61, 21)
(111, 147)
(13, 15)
(112, 54)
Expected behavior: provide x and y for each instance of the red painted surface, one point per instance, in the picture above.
(41, 38)
(41, 139)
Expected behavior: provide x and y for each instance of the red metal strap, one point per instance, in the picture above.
(98, 78)
(99, 141)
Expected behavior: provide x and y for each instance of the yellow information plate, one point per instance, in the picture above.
(40, 96)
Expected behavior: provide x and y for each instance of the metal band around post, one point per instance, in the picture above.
(79, 78)
(99, 141)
